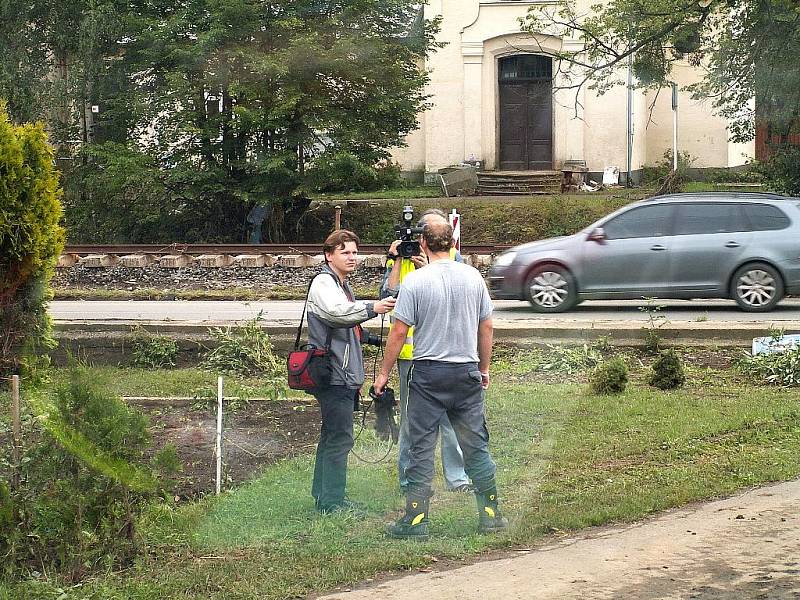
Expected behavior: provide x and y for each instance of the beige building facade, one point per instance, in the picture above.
(498, 98)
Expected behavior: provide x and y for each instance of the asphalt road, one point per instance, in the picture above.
(629, 311)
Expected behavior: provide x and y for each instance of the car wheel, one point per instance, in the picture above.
(550, 288)
(757, 287)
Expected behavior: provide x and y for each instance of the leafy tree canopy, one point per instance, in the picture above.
(746, 49)
(231, 100)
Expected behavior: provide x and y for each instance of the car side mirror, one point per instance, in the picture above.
(598, 234)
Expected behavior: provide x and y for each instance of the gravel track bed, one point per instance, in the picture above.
(198, 278)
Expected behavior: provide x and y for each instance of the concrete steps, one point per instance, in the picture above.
(518, 183)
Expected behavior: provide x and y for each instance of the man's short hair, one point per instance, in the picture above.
(438, 236)
(338, 239)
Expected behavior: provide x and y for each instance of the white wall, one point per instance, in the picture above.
(464, 122)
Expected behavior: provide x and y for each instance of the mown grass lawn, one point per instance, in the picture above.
(567, 460)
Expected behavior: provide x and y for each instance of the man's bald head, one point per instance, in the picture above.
(437, 233)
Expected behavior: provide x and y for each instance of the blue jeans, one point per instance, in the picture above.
(452, 457)
(453, 389)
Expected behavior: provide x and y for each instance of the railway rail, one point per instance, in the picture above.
(275, 249)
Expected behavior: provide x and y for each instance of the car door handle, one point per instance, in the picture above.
(658, 247)
(732, 245)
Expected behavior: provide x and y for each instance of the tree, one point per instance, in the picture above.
(31, 240)
(747, 49)
(236, 99)
(54, 58)
(226, 103)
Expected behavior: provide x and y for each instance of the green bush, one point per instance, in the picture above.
(610, 377)
(781, 172)
(152, 351)
(667, 371)
(30, 242)
(566, 359)
(84, 481)
(774, 368)
(6, 518)
(750, 174)
(481, 222)
(655, 174)
(247, 350)
(345, 172)
(117, 194)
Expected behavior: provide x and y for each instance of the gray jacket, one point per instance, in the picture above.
(329, 309)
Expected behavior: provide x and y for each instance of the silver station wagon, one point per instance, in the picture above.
(742, 246)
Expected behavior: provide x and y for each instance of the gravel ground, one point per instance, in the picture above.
(197, 278)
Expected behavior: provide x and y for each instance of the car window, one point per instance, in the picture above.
(643, 221)
(764, 217)
(709, 217)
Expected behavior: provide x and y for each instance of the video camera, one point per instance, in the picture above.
(406, 231)
(370, 338)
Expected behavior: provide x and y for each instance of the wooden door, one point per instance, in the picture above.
(526, 119)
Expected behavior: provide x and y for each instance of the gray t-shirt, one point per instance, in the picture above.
(444, 301)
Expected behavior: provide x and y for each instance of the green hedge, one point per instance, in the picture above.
(512, 221)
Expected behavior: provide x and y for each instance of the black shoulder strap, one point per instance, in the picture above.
(303, 316)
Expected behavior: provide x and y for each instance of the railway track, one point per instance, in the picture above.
(236, 249)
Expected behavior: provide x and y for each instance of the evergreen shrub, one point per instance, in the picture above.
(6, 518)
(31, 239)
(610, 377)
(667, 371)
(85, 479)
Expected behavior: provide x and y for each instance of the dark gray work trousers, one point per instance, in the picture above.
(335, 443)
(439, 388)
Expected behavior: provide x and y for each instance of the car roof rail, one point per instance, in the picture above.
(721, 196)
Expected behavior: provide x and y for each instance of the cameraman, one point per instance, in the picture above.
(334, 314)
(448, 376)
(397, 268)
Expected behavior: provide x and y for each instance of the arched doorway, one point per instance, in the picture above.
(526, 113)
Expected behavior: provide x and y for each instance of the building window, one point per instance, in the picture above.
(526, 67)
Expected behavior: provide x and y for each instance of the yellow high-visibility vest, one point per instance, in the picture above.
(406, 267)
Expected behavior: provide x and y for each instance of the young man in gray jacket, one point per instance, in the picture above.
(334, 318)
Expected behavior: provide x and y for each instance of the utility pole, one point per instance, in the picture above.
(674, 126)
(630, 121)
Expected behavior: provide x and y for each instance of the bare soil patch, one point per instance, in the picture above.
(255, 435)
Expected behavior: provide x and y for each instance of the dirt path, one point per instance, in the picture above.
(743, 547)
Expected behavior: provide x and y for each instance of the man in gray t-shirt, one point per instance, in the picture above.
(452, 299)
(448, 305)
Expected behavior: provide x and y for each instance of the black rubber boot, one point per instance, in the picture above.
(413, 524)
(489, 518)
